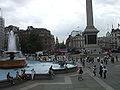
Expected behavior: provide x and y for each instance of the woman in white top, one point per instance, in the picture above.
(32, 73)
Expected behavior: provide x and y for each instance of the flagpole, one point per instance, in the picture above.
(0, 12)
(112, 26)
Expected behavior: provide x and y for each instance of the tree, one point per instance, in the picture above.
(32, 43)
(62, 45)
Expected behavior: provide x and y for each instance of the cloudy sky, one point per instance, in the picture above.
(60, 16)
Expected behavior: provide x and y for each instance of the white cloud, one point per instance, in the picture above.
(60, 16)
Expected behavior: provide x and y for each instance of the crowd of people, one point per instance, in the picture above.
(20, 75)
(98, 65)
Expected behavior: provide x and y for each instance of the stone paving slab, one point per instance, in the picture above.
(70, 82)
(89, 89)
(113, 74)
(66, 83)
(53, 87)
(88, 82)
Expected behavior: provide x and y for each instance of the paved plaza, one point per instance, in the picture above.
(69, 81)
(61, 82)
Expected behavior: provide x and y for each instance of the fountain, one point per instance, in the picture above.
(14, 61)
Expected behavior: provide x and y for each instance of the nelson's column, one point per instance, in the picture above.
(90, 32)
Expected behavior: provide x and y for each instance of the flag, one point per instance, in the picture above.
(118, 25)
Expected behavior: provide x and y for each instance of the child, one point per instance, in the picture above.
(94, 70)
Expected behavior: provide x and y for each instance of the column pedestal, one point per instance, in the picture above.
(90, 34)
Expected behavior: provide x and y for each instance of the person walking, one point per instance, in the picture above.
(83, 62)
(80, 72)
(98, 59)
(94, 70)
(32, 73)
(51, 73)
(116, 58)
(105, 60)
(112, 59)
(104, 71)
(101, 70)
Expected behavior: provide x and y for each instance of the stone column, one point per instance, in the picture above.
(90, 32)
(89, 13)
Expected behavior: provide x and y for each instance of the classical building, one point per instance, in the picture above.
(75, 32)
(75, 41)
(111, 41)
(105, 42)
(115, 36)
(46, 38)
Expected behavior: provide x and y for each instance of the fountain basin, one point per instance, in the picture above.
(41, 68)
(11, 52)
(9, 64)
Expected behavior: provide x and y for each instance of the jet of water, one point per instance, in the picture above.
(11, 41)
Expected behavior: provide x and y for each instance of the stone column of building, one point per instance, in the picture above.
(1, 32)
(90, 32)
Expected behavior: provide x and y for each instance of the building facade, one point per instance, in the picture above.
(75, 41)
(46, 38)
(111, 41)
(115, 36)
(105, 43)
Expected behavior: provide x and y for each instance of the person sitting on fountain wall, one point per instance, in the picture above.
(18, 76)
(24, 75)
(10, 78)
(12, 56)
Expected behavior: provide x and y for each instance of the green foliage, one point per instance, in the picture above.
(32, 43)
(60, 46)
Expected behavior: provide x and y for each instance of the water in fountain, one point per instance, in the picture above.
(11, 42)
(12, 45)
